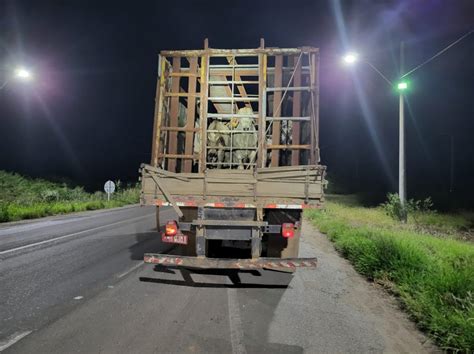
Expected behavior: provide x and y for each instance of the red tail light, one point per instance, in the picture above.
(288, 230)
(171, 228)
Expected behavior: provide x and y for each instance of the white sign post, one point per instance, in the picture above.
(109, 188)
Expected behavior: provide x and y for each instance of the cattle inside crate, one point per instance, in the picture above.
(236, 109)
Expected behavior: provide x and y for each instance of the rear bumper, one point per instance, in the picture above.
(287, 264)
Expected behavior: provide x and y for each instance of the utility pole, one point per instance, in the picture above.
(401, 154)
(451, 163)
(351, 58)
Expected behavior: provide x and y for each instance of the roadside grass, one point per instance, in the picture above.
(25, 198)
(423, 262)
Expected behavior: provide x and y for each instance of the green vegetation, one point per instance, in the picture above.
(24, 198)
(424, 262)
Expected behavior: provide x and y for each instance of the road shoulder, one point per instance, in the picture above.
(350, 288)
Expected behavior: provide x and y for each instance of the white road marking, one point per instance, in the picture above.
(235, 323)
(13, 339)
(28, 225)
(78, 297)
(73, 234)
(131, 269)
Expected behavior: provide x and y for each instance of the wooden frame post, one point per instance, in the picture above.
(174, 112)
(276, 132)
(296, 131)
(190, 114)
(160, 87)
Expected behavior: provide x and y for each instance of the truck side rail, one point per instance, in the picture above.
(277, 185)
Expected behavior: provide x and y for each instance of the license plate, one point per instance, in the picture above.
(182, 239)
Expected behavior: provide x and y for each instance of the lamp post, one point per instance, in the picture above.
(352, 58)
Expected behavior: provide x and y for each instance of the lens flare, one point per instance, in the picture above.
(23, 74)
(350, 58)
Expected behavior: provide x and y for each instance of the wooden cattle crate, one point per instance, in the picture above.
(278, 87)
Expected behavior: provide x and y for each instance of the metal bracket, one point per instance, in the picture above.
(167, 195)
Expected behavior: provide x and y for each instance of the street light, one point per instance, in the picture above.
(23, 74)
(402, 86)
(19, 74)
(350, 59)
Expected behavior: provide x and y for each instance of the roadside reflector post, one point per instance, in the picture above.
(109, 188)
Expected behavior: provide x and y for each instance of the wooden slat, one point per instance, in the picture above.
(160, 89)
(290, 174)
(289, 168)
(174, 112)
(311, 109)
(180, 129)
(180, 94)
(162, 172)
(228, 72)
(316, 110)
(268, 189)
(190, 115)
(184, 74)
(156, 138)
(237, 77)
(295, 154)
(261, 152)
(278, 82)
(230, 181)
(177, 156)
(203, 107)
(289, 147)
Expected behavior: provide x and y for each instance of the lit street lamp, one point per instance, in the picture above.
(350, 59)
(19, 74)
(23, 74)
(402, 86)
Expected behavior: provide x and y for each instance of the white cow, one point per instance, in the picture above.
(244, 137)
(218, 138)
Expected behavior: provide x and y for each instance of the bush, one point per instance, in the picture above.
(24, 198)
(49, 195)
(394, 208)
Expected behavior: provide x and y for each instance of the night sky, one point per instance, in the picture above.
(88, 115)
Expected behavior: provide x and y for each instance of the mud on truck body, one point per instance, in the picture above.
(235, 153)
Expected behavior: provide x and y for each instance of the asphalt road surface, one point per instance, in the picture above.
(78, 284)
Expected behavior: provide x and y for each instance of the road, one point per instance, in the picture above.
(78, 284)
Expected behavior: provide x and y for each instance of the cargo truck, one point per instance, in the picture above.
(235, 153)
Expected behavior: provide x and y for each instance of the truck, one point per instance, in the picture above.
(235, 152)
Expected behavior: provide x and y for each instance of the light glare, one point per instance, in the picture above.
(23, 74)
(350, 58)
(402, 86)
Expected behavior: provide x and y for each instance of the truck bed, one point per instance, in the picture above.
(282, 187)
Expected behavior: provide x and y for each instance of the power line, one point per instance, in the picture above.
(438, 54)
